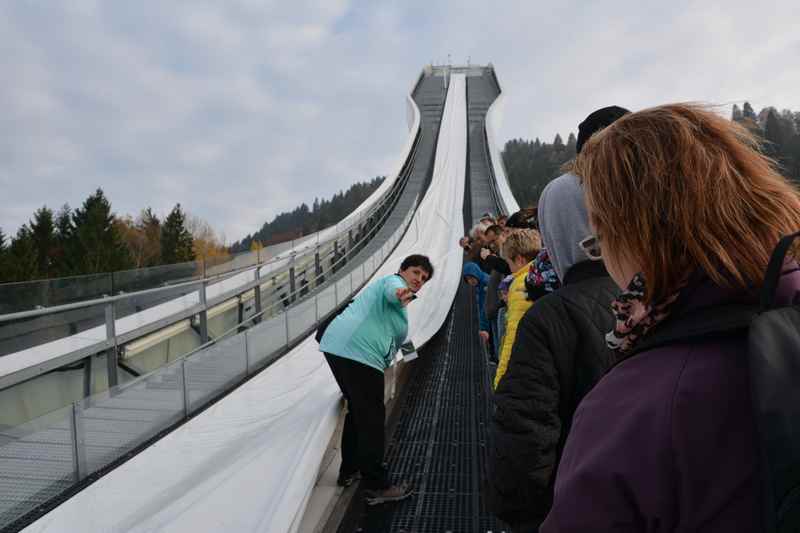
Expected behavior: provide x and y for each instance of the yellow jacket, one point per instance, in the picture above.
(518, 304)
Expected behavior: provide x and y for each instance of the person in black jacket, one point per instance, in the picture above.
(559, 353)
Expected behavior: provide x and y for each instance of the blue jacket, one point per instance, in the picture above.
(473, 270)
(372, 328)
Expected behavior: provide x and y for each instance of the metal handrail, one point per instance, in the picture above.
(113, 340)
(237, 328)
(215, 277)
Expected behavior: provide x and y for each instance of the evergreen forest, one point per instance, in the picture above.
(92, 239)
(531, 165)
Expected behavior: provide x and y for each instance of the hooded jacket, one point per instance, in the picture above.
(518, 305)
(473, 270)
(558, 355)
(666, 440)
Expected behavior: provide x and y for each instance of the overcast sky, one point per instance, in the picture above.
(241, 109)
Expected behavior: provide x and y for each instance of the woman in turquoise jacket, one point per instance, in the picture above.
(359, 345)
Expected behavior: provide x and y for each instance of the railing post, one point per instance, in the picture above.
(203, 313)
(246, 355)
(286, 323)
(73, 435)
(350, 239)
(317, 267)
(111, 352)
(78, 443)
(335, 265)
(184, 388)
(88, 382)
(258, 296)
(335, 293)
(292, 281)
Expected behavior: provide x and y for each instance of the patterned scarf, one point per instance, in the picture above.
(542, 277)
(634, 318)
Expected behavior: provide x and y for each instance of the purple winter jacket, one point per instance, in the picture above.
(666, 440)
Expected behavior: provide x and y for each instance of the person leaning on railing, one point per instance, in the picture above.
(359, 344)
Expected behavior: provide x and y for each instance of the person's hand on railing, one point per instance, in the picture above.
(484, 335)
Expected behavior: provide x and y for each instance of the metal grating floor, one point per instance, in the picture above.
(439, 440)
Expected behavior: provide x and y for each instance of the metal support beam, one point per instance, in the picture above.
(240, 314)
(78, 443)
(203, 314)
(317, 268)
(292, 282)
(111, 353)
(335, 266)
(258, 297)
(88, 382)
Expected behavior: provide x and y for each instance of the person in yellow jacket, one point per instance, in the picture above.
(519, 250)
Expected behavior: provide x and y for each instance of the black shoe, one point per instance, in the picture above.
(346, 481)
(395, 493)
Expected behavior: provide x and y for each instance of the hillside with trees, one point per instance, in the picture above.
(91, 239)
(531, 165)
(304, 220)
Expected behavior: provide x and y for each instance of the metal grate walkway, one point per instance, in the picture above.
(439, 441)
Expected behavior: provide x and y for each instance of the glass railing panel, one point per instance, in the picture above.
(84, 326)
(266, 340)
(326, 300)
(155, 305)
(343, 290)
(302, 317)
(37, 463)
(214, 369)
(358, 277)
(116, 421)
(157, 276)
(29, 295)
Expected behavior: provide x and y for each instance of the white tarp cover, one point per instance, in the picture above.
(249, 463)
(494, 118)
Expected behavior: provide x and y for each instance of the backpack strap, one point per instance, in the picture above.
(773, 274)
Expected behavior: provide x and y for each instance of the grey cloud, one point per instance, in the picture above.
(242, 109)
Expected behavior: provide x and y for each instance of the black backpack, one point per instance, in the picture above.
(327, 322)
(773, 339)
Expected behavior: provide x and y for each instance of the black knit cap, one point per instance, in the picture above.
(524, 219)
(596, 121)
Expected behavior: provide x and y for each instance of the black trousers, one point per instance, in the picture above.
(364, 431)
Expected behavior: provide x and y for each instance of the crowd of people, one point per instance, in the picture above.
(614, 315)
(621, 399)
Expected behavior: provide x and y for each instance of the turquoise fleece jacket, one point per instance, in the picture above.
(372, 328)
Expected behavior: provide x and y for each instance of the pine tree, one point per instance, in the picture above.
(558, 143)
(150, 225)
(64, 234)
(22, 260)
(96, 245)
(572, 143)
(736, 114)
(4, 273)
(176, 241)
(773, 134)
(43, 233)
(747, 112)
